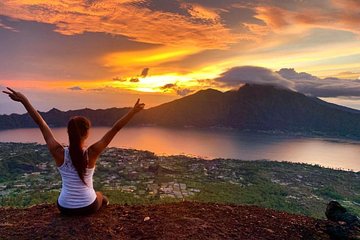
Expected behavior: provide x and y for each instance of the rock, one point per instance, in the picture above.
(344, 224)
(336, 212)
(146, 219)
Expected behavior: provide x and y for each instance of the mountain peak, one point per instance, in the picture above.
(209, 91)
(54, 110)
(248, 86)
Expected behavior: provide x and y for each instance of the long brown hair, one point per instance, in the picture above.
(78, 128)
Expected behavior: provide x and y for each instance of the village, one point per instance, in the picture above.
(129, 171)
(28, 175)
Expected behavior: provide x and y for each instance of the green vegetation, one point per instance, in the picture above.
(28, 198)
(329, 192)
(28, 176)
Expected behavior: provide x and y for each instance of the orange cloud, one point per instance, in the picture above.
(130, 61)
(124, 18)
(273, 17)
(268, 32)
(352, 5)
(201, 12)
(259, 30)
(342, 16)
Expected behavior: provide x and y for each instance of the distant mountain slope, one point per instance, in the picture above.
(57, 118)
(252, 107)
(202, 109)
(256, 107)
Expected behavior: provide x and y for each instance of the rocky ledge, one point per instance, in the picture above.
(185, 220)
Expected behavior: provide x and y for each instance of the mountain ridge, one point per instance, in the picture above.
(257, 108)
(252, 107)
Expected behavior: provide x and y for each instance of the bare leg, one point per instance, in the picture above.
(102, 199)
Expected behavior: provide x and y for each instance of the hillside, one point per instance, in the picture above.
(257, 107)
(186, 220)
(252, 107)
(57, 118)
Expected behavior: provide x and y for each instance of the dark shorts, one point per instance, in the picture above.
(92, 208)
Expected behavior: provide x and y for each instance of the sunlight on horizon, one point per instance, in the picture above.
(92, 48)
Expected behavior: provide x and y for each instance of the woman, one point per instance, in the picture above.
(75, 163)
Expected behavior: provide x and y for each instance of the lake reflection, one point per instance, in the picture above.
(216, 144)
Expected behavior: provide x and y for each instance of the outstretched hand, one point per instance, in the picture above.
(16, 96)
(138, 106)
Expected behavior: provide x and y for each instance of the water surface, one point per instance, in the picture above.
(216, 144)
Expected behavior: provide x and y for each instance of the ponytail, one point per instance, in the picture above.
(78, 129)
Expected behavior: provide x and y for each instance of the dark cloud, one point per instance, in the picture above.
(119, 79)
(75, 88)
(134, 80)
(175, 88)
(183, 91)
(218, 4)
(144, 72)
(168, 86)
(321, 87)
(288, 78)
(236, 17)
(252, 75)
(173, 6)
(291, 74)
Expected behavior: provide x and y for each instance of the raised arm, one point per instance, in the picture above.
(55, 148)
(96, 149)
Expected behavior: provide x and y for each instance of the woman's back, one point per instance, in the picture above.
(74, 193)
(77, 194)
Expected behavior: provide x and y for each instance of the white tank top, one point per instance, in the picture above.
(74, 193)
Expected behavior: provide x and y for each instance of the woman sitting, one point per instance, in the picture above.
(75, 163)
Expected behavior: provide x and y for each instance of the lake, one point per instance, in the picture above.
(217, 144)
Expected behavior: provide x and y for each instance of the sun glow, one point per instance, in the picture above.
(156, 83)
(152, 83)
(127, 62)
(138, 47)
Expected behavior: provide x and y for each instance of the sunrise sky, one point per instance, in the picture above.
(72, 54)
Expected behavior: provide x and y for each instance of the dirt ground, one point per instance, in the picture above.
(186, 220)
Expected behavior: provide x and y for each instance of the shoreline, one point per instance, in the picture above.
(273, 133)
(205, 158)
